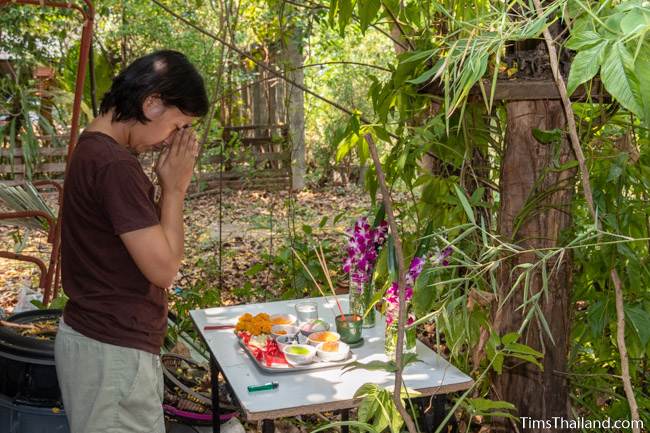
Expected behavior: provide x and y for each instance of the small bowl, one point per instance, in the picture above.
(283, 319)
(316, 325)
(299, 354)
(338, 355)
(282, 330)
(324, 336)
(284, 341)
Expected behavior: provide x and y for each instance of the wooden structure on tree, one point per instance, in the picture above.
(532, 101)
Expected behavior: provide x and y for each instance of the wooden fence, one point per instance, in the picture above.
(254, 157)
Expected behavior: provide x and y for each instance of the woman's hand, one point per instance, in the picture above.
(176, 162)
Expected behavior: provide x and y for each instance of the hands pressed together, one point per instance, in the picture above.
(176, 161)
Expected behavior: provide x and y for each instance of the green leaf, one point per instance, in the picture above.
(566, 166)
(396, 419)
(548, 137)
(345, 146)
(383, 412)
(634, 21)
(619, 80)
(418, 56)
(381, 133)
(583, 39)
(484, 405)
(465, 203)
(428, 74)
(367, 409)
(509, 338)
(498, 363)
(533, 29)
(392, 260)
(640, 321)
(367, 11)
(333, 9)
(345, 14)
(528, 358)
(379, 216)
(522, 348)
(367, 389)
(585, 66)
(642, 69)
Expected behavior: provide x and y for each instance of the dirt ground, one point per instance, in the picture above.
(252, 223)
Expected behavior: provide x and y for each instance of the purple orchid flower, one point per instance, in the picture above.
(364, 243)
(442, 256)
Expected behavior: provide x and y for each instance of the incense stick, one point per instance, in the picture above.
(317, 285)
(326, 271)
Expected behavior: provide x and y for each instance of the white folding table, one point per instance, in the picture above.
(306, 392)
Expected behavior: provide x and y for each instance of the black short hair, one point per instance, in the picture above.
(167, 74)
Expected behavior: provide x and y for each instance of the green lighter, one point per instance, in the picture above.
(265, 387)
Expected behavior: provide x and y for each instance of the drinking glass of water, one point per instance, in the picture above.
(306, 311)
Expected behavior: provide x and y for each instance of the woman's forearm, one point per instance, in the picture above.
(171, 220)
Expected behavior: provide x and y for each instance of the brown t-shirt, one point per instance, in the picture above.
(106, 194)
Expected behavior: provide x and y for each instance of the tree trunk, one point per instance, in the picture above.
(526, 176)
(296, 110)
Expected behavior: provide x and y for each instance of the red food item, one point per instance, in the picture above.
(272, 353)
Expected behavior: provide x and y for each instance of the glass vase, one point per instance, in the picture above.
(390, 343)
(361, 295)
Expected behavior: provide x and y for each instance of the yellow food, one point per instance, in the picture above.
(255, 325)
(281, 320)
(281, 332)
(323, 336)
(331, 346)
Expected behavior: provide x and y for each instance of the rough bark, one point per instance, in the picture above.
(540, 395)
(297, 110)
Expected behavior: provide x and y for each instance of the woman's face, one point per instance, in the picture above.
(158, 132)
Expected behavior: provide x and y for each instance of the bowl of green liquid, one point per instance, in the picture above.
(299, 354)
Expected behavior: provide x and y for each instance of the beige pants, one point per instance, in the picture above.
(107, 388)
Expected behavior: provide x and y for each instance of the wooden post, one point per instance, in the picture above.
(526, 176)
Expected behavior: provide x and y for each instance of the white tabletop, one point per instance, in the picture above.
(316, 390)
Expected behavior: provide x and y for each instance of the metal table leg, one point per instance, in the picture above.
(440, 412)
(214, 381)
(268, 426)
(432, 412)
(345, 416)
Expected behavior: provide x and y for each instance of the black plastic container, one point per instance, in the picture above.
(27, 369)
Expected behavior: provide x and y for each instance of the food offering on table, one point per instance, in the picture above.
(316, 325)
(281, 347)
(283, 319)
(255, 333)
(264, 348)
(282, 330)
(254, 325)
(323, 337)
(284, 341)
(332, 351)
(299, 354)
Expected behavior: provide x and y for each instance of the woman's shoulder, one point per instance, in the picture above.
(101, 148)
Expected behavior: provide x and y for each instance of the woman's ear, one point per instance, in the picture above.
(153, 107)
